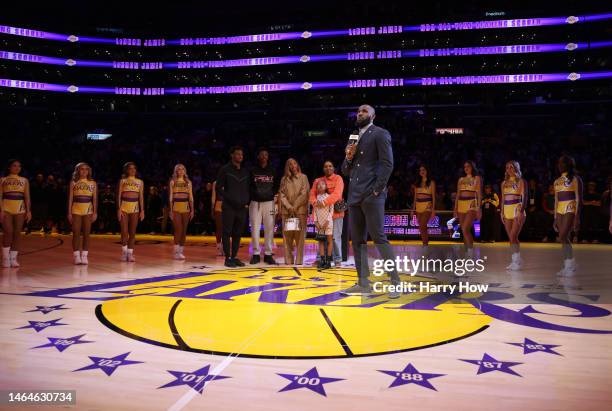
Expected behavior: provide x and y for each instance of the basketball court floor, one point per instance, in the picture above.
(161, 334)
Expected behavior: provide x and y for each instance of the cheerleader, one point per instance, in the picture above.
(130, 209)
(14, 211)
(181, 201)
(568, 203)
(514, 197)
(467, 204)
(82, 210)
(424, 194)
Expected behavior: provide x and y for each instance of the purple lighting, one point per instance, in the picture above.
(17, 31)
(34, 85)
(359, 31)
(273, 87)
(264, 61)
(496, 24)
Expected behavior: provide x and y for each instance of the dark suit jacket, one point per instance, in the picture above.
(371, 167)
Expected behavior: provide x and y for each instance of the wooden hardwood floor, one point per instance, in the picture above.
(164, 334)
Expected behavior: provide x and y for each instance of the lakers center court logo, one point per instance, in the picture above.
(280, 312)
(287, 312)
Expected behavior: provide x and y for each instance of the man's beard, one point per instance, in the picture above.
(362, 122)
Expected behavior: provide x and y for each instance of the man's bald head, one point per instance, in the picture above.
(365, 115)
(367, 108)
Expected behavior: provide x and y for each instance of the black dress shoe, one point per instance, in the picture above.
(237, 262)
(255, 259)
(268, 259)
(230, 263)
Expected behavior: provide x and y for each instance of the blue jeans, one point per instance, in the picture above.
(337, 239)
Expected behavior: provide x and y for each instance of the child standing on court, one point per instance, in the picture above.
(322, 216)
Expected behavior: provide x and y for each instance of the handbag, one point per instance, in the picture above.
(320, 237)
(340, 206)
(292, 224)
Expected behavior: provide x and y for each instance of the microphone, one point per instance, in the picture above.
(353, 138)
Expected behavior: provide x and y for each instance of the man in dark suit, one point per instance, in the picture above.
(368, 164)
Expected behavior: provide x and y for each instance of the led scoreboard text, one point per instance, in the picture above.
(265, 37)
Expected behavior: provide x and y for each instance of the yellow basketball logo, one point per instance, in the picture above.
(282, 312)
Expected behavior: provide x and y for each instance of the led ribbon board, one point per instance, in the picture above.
(358, 31)
(321, 85)
(352, 56)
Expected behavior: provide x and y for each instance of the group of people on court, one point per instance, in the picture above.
(261, 195)
(15, 209)
(258, 193)
(237, 192)
(467, 207)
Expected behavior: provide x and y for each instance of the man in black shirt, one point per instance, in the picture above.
(591, 217)
(107, 211)
(233, 189)
(39, 197)
(264, 187)
(490, 215)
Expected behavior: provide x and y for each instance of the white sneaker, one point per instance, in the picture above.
(516, 263)
(176, 252)
(130, 256)
(14, 262)
(6, 257)
(124, 252)
(514, 266)
(180, 254)
(84, 260)
(569, 268)
(76, 255)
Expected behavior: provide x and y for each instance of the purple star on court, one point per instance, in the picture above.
(530, 346)
(195, 379)
(63, 343)
(310, 379)
(410, 375)
(47, 309)
(108, 365)
(488, 364)
(41, 325)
